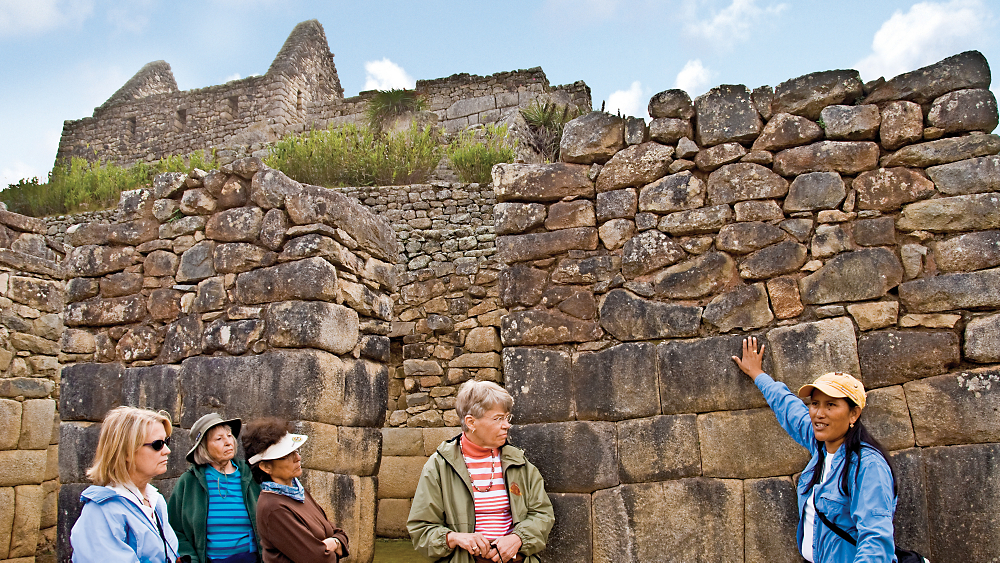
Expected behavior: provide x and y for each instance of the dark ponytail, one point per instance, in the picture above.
(857, 437)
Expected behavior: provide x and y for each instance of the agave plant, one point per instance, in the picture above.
(386, 105)
(546, 122)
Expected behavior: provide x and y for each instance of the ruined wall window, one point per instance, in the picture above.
(234, 106)
(180, 120)
(130, 126)
(298, 101)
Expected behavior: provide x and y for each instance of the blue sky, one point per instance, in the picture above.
(59, 59)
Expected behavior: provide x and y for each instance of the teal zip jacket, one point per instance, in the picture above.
(188, 509)
(443, 503)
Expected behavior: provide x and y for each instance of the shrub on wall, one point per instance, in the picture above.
(546, 122)
(386, 105)
(474, 152)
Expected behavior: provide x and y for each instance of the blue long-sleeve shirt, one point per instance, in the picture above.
(113, 528)
(865, 513)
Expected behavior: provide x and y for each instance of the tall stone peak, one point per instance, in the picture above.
(307, 53)
(153, 78)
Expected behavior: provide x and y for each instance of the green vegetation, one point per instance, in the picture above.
(386, 105)
(82, 185)
(474, 152)
(546, 122)
(354, 156)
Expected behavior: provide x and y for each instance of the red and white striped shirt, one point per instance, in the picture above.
(493, 517)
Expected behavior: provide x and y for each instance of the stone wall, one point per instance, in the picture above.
(243, 292)
(149, 118)
(31, 302)
(850, 227)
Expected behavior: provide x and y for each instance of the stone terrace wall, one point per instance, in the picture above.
(849, 227)
(243, 292)
(31, 302)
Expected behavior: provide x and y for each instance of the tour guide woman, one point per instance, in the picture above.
(292, 526)
(848, 480)
(124, 518)
(477, 492)
(213, 507)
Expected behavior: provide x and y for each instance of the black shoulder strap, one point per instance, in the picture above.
(836, 529)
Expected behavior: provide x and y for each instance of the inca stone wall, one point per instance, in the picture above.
(31, 303)
(149, 118)
(242, 292)
(851, 227)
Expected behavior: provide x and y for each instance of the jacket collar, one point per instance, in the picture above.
(451, 451)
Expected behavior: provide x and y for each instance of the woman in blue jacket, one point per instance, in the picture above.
(848, 481)
(124, 518)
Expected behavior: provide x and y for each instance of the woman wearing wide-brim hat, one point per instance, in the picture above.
(213, 507)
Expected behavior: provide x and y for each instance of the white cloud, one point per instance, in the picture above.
(386, 75)
(928, 32)
(132, 16)
(231, 77)
(15, 171)
(27, 17)
(694, 78)
(731, 24)
(632, 102)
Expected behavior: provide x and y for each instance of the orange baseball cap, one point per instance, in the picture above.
(837, 384)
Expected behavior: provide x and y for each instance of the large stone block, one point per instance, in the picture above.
(845, 157)
(658, 448)
(911, 524)
(649, 251)
(514, 218)
(725, 114)
(236, 257)
(902, 124)
(92, 261)
(38, 294)
(10, 425)
(349, 501)
(321, 205)
(700, 376)
(541, 383)
(971, 176)
(675, 192)
(807, 95)
(536, 326)
(943, 151)
(629, 317)
(785, 130)
(312, 324)
(982, 339)
(850, 123)
(398, 476)
(615, 383)
(522, 285)
(952, 291)
(956, 408)
(741, 238)
(853, 276)
(312, 278)
(888, 189)
(958, 213)
(391, 518)
(154, 387)
(803, 352)
(349, 450)
(29, 387)
(636, 165)
(570, 214)
(134, 233)
(594, 137)
(295, 384)
(674, 103)
(815, 190)
(772, 516)
(694, 519)
(964, 70)
(616, 204)
(743, 306)
(893, 357)
(541, 182)
(21, 467)
(963, 522)
(742, 181)
(587, 270)
(574, 457)
(724, 436)
(402, 442)
(69, 510)
(22, 223)
(88, 391)
(27, 515)
(698, 277)
(887, 417)
(783, 258)
(669, 130)
(535, 246)
(241, 224)
(32, 343)
(6, 519)
(77, 444)
(197, 262)
(696, 221)
(183, 339)
(36, 424)
(571, 538)
(964, 110)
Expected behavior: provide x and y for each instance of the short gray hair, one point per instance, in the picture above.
(477, 397)
(201, 455)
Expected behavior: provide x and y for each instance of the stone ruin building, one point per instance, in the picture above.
(850, 226)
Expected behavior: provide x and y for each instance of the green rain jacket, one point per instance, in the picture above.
(443, 503)
(187, 509)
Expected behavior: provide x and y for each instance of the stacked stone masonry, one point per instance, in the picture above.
(149, 119)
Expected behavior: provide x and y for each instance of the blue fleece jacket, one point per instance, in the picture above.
(865, 513)
(113, 528)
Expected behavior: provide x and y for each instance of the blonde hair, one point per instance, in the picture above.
(201, 455)
(477, 397)
(123, 432)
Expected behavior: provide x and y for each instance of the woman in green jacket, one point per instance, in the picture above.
(213, 507)
(479, 499)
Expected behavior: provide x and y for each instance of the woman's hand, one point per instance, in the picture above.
(505, 548)
(333, 545)
(752, 360)
(476, 544)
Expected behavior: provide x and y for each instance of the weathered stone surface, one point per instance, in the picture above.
(672, 193)
(668, 130)
(349, 500)
(805, 351)
(701, 276)
(613, 384)
(952, 291)
(770, 505)
(160, 263)
(38, 294)
(106, 312)
(887, 189)
(513, 218)
(846, 157)
(782, 258)
(965, 70)
(571, 535)
(312, 324)
(971, 176)
(121, 283)
(78, 289)
(721, 434)
(558, 450)
(211, 295)
(535, 246)
(744, 306)
(635, 131)
(312, 278)
(807, 95)
(232, 225)
(586, 270)
(235, 338)
(671, 103)
(398, 475)
(616, 204)
(270, 188)
(968, 252)
(594, 137)
(713, 157)
(628, 317)
(697, 221)
(341, 449)
(902, 124)
(391, 517)
(785, 130)
(850, 123)
(742, 181)
(964, 110)
(235, 192)
(830, 240)
(541, 182)
(570, 214)
(22, 223)
(853, 276)
(183, 226)
(139, 343)
(635, 166)
(658, 448)
(724, 114)
(887, 416)
(272, 229)
(197, 202)
(91, 261)
(539, 381)
(10, 430)
(521, 285)
(684, 518)
(982, 339)
(878, 314)
(958, 213)
(944, 151)
(88, 390)
(785, 298)
(183, 339)
(700, 376)
(83, 234)
(911, 519)
(236, 257)
(758, 211)
(164, 304)
(955, 408)
(616, 232)
(534, 327)
(197, 263)
(879, 231)
(28, 387)
(133, 233)
(815, 190)
(649, 251)
(741, 238)
(321, 205)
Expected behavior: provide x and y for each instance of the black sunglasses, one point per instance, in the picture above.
(157, 445)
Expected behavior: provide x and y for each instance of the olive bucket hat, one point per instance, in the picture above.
(206, 423)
